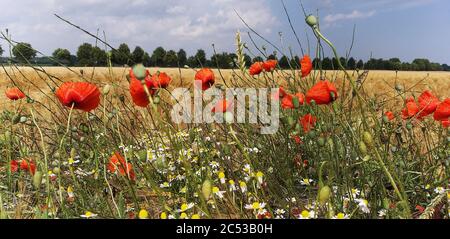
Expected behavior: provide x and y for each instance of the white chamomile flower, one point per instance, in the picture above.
(340, 216)
(382, 213)
(88, 215)
(306, 181)
(186, 206)
(243, 186)
(217, 192)
(222, 178)
(363, 204)
(307, 214)
(232, 185)
(439, 190)
(259, 177)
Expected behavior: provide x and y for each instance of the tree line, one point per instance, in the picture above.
(89, 55)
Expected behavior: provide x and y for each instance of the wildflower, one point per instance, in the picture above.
(88, 215)
(442, 112)
(308, 122)
(269, 65)
(184, 207)
(222, 106)
(163, 215)
(279, 213)
(363, 205)
(427, 103)
(259, 177)
(323, 92)
(117, 162)
(79, 95)
(195, 216)
(206, 77)
(255, 206)
(439, 190)
(165, 185)
(247, 168)
(390, 116)
(307, 214)
(217, 192)
(161, 80)
(382, 213)
(143, 214)
(23, 164)
(183, 215)
(214, 164)
(445, 123)
(221, 177)
(341, 216)
(355, 192)
(232, 185)
(70, 193)
(306, 65)
(411, 109)
(14, 94)
(243, 186)
(306, 181)
(256, 68)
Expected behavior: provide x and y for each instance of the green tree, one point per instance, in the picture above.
(327, 63)
(138, 54)
(147, 60)
(1, 50)
(122, 56)
(351, 64)
(23, 52)
(257, 59)
(182, 57)
(360, 64)
(192, 62)
(284, 62)
(63, 56)
(171, 59)
(158, 56)
(85, 55)
(99, 56)
(247, 60)
(200, 56)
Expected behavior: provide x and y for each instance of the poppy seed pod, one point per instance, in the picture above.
(206, 189)
(324, 194)
(37, 180)
(311, 20)
(139, 71)
(368, 140)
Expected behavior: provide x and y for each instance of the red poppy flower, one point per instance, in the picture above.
(137, 91)
(443, 110)
(390, 115)
(270, 65)
(222, 106)
(256, 68)
(297, 139)
(322, 93)
(445, 123)
(14, 94)
(161, 80)
(82, 95)
(28, 165)
(411, 109)
(118, 163)
(427, 103)
(308, 122)
(206, 76)
(287, 102)
(306, 66)
(14, 165)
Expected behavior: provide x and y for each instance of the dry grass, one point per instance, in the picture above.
(377, 83)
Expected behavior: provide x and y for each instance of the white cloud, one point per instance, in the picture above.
(171, 23)
(355, 14)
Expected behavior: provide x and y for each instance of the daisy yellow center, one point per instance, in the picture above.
(340, 215)
(231, 182)
(195, 216)
(184, 207)
(305, 214)
(215, 189)
(143, 214)
(163, 215)
(255, 205)
(221, 175)
(259, 174)
(183, 215)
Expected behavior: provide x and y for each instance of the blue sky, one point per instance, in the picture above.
(406, 29)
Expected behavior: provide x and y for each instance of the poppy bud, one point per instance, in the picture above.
(324, 194)
(37, 180)
(363, 148)
(139, 71)
(311, 20)
(206, 189)
(368, 140)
